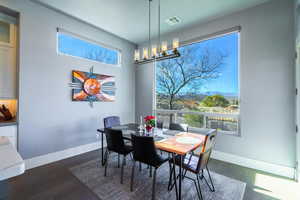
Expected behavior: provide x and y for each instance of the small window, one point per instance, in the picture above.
(82, 48)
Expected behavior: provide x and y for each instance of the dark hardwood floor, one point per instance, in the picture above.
(56, 182)
(52, 182)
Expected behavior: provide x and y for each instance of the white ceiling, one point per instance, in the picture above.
(129, 18)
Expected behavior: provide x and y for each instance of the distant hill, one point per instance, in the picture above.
(225, 94)
(199, 97)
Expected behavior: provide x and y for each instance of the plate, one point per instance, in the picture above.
(188, 140)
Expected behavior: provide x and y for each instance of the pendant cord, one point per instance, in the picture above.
(149, 49)
(159, 47)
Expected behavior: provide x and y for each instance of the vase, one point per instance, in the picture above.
(149, 130)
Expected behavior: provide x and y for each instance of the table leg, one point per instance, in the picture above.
(180, 177)
(174, 174)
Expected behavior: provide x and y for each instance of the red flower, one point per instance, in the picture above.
(149, 117)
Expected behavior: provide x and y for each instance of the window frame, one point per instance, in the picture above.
(235, 29)
(91, 41)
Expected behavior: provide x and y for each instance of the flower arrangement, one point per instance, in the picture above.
(149, 122)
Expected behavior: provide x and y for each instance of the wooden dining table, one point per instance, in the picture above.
(174, 142)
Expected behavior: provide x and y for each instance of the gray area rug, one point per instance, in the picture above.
(109, 187)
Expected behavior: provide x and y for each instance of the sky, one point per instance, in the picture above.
(76, 47)
(227, 82)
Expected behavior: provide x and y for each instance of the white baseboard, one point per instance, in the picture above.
(255, 164)
(60, 155)
(226, 157)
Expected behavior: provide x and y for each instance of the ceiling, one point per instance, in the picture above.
(129, 18)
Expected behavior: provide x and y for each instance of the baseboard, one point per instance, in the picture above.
(226, 157)
(60, 155)
(288, 172)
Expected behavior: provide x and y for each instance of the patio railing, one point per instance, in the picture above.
(227, 123)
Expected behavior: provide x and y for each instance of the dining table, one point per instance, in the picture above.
(177, 143)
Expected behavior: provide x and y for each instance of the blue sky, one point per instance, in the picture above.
(227, 81)
(76, 47)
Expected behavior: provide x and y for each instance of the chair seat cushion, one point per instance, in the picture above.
(127, 149)
(190, 162)
(157, 161)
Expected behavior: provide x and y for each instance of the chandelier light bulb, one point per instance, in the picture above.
(164, 46)
(154, 51)
(137, 55)
(175, 43)
(145, 53)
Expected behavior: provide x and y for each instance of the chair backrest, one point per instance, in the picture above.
(111, 121)
(159, 124)
(143, 149)
(178, 127)
(114, 140)
(209, 142)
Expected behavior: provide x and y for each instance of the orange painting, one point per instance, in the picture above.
(93, 87)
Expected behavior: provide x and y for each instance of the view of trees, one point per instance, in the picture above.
(181, 84)
(215, 101)
(188, 71)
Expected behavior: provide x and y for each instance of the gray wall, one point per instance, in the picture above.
(267, 86)
(144, 95)
(49, 120)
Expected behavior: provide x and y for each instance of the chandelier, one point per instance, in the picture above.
(159, 51)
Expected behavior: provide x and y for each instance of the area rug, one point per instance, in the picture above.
(109, 188)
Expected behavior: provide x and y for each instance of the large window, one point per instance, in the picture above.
(201, 88)
(71, 45)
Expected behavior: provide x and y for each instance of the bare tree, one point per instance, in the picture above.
(99, 55)
(187, 72)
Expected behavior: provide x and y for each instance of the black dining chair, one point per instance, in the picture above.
(178, 127)
(197, 164)
(160, 124)
(111, 121)
(144, 151)
(115, 143)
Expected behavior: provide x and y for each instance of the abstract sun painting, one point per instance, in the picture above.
(92, 87)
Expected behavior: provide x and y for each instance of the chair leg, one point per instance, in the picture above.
(202, 174)
(170, 185)
(150, 175)
(153, 185)
(131, 156)
(140, 166)
(198, 180)
(212, 187)
(106, 163)
(122, 168)
(132, 176)
(118, 160)
(184, 173)
(170, 174)
(197, 189)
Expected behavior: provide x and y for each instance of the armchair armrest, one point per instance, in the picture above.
(127, 138)
(101, 130)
